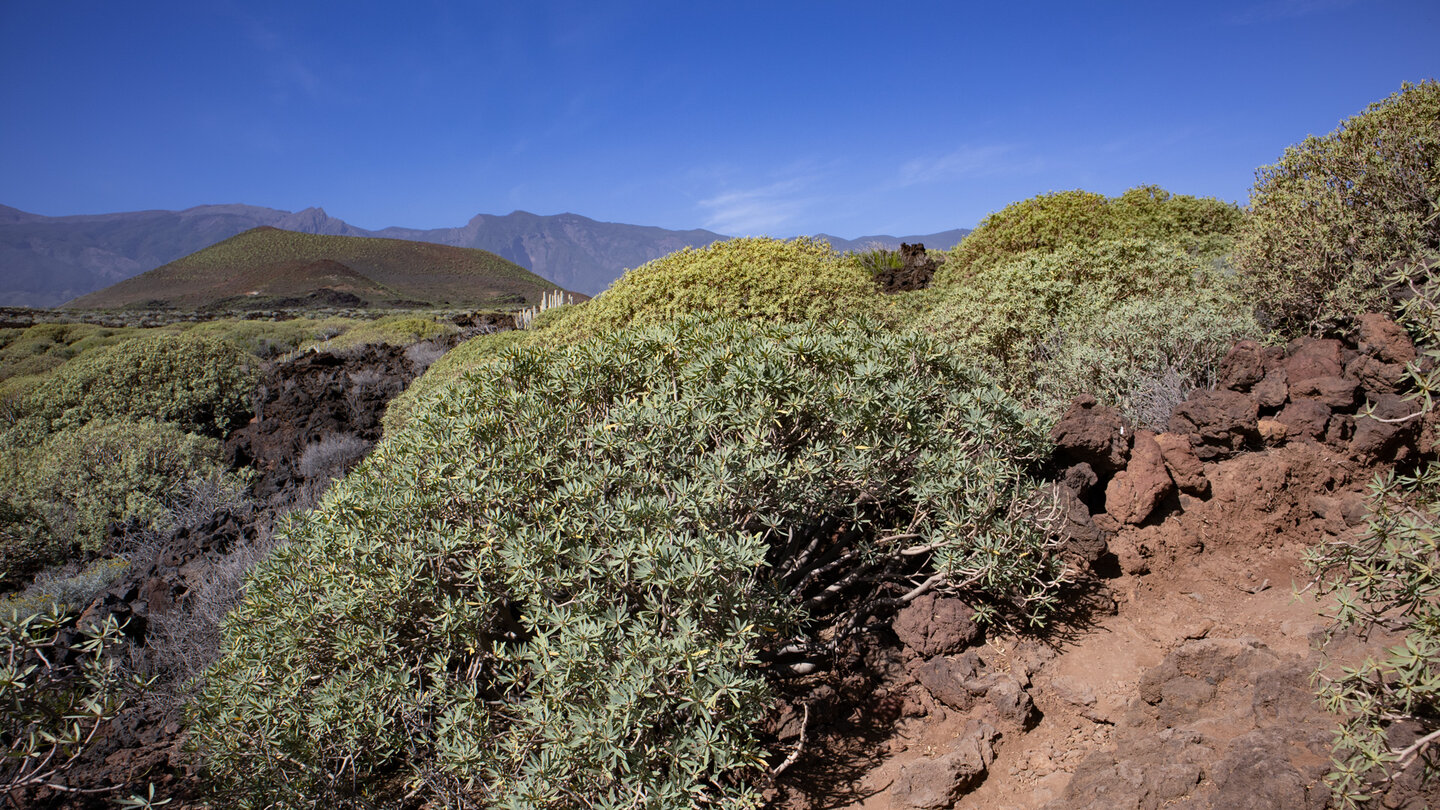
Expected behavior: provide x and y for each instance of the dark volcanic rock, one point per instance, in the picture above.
(1221, 422)
(1092, 434)
(1310, 358)
(1242, 367)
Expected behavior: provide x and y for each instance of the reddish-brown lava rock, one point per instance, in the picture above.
(1305, 418)
(1134, 492)
(1093, 434)
(1242, 366)
(1084, 539)
(1310, 358)
(1337, 392)
(936, 625)
(1383, 438)
(935, 782)
(1185, 468)
(1221, 421)
(1382, 338)
(1374, 375)
(1271, 392)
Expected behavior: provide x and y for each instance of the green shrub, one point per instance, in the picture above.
(565, 582)
(750, 278)
(57, 691)
(1389, 576)
(395, 330)
(1329, 220)
(1015, 318)
(467, 356)
(203, 384)
(64, 592)
(81, 479)
(1203, 226)
(1143, 355)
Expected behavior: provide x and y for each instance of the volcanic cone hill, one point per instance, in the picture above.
(270, 267)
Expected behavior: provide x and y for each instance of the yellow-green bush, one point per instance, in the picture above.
(1014, 318)
(79, 480)
(752, 278)
(202, 384)
(465, 357)
(394, 330)
(561, 584)
(1329, 220)
(1201, 225)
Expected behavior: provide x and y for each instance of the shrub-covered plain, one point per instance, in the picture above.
(201, 384)
(80, 479)
(566, 581)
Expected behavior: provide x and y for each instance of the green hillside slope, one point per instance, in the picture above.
(266, 264)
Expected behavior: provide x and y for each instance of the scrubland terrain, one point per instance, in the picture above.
(1123, 502)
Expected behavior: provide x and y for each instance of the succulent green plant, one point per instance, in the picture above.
(571, 578)
(1333, 217)
(1389, 577)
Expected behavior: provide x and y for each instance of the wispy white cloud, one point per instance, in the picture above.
(753, 211)
(1271, 10)
(968, 161)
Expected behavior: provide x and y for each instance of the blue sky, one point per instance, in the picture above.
(741, 117)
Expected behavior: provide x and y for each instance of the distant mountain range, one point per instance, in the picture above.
(267, 268)
(46, 261)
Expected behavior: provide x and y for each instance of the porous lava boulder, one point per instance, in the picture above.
(1242, 367)
(1310, 358)
(936, 625)
(1219, 423)
(1305, 419)
(1135, 492)
(1185, 468)
(1093, 434)
(1389, 429)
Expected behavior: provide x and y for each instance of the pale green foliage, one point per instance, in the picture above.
(472, 353)
(395, 330)
(55, 695)
(561, 584)
(1390, 576)
(1143, 355)
(750, 278)
(1202, 226)
(1017, 318)
(70, 592)
(79, 480)
(202, 384)
(1330, 219)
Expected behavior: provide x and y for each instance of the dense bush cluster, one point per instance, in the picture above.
(79, 480)
(566, 582)
(202, 384)
(1202, 226)
(1331, 219)
(1106, 317)
(751, 278)
(468, 355)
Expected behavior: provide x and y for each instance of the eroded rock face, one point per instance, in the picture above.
(1184, 466)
